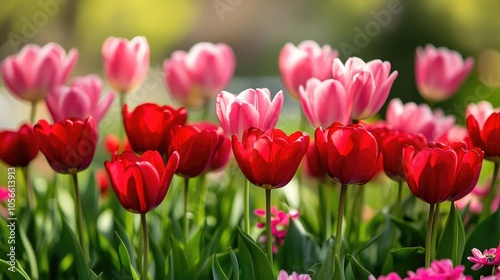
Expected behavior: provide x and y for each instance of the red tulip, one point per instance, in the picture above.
(112, 144)
(202, 147)
(141, 182)
(392, 146)
(442, 172)
(483, 123)
(147, 126)
(348, 153)
(269, 159)
(312, 163)
(18, 148)
(69, 145)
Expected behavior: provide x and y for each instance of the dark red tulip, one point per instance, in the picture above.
(148, 124)
(392, 146)
(312, 163)
(112, 144)
(18, 148)
(486, 135)
(348, 153)
(269, 159)
(441, 172)
(141, 182)
(202, 147)
(68, 145)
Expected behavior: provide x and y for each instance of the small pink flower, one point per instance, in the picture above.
(195, 76)
(126, 63)
(439, 72)
(307, 60)
(35, 70)
(80, 100)
(390, 276)
(318, 98)
(4, 193)
(413, 118)
(294, 276)
(490, 277)
(367, 84)
(279, 225)
(439, 270)
(488, 257)
(250, 108)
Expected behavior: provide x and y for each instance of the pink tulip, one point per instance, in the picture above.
(480, 112)
(439, 72)
(79, 100)
(367, 84)
(413, 118)
(251, 108)
(307, 60)
(126, 63)
(195, 76)
(283, 275)
(325, 102)
(35, 70)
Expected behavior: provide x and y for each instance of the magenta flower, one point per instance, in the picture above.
(489, 258)
(431, 124)
(367, 84)
(318, 98)
(126, 63)
(279, 225)
(4, 193)
(250, 108)
(307, 60)
(294, 276)
(390, 276)
(439, 72)
(195, 76)
(80, 100)
(439, 270)
(35, 70)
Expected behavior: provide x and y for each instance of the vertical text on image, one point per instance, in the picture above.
(11, 218)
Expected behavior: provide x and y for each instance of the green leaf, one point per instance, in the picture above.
(81, 268)
(411, 235)
(179, 267)
(94, 276)
(299, 250)
(484, 236)
(124, 257)
(255, 263)
(16, 275)
(234, 262)
(338, 273)
(358, 269)
(408, 258)
(217, 271)
(327, 267)
(28, 249)
(452, 242)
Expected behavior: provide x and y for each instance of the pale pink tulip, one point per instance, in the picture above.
(324, 103)
(367, 84)
(439, 72)
(283, 275)
(250, 108)
(126, 63)
(307, 60)
(481, 111)
(80, 100)
(193, 77)
(413, 118)
(35, 70)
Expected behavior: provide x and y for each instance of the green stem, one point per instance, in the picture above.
(303, 122)
(428, 238)
(492, 194)
(186, 201)
(247, 206)
(29, 188)
(200, 216)
(360, 200)
(338, 236)
(121, 126)
(79, 219)
(33, 112)
(435, 230)
(205, 113)
(324, 200)
(268, 227)
(145, 239)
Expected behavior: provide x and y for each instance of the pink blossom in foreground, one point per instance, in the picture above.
(439, 270)
(4, 193)
(367, 84)
(34, 71)
(193, 77)
(489, 258)
(294, 276)
(413, 118)
(250, 108)
(390, 276)
(126, 63)
(279, 225)
(80, 100)
(439, 72)
(307, 60)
